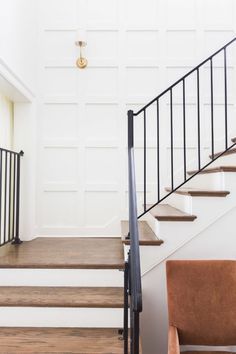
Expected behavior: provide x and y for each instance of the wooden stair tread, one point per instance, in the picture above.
(65, 252)
(224, 153)
(165, 212)
(199, 192)
(60, 341)
(39, 296)
(214, 170)
(146, 235)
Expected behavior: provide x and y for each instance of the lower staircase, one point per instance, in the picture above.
(62, 295)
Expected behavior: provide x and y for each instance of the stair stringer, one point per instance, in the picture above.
(216, 241)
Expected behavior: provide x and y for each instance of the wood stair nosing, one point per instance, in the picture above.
(214, 170)
(15, 340)
(200, 192)
(165, 212)
(146, 235)
(39, 296)
(224, 153)
(65, 253)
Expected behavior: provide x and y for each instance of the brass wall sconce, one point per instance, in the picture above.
(81, 62)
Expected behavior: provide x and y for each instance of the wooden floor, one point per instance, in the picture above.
(39, 296)
(165, 212)
(60, 341)
(194, 192)
(64, 252)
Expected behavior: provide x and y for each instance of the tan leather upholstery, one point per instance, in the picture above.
(200, 352)
(202, 303)
(173, 343)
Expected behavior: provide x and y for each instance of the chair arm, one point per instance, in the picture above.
(173, 341)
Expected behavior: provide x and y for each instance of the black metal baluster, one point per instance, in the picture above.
(126, 307)
(145, 160)
(131, 329)
(14, 196)
(9, 202)
(226, 99)
(5, 198)
(158, 152)
(212, 110)
(0, 197)
(184, 130)
(136, 332)
(198, 120)
(171, 139)
(17, 240)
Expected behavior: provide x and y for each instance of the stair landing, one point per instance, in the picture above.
(60, 341)
(64, 253)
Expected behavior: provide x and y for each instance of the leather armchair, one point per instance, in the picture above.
(201, 305)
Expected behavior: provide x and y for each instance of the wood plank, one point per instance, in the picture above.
(214, 170)
(199, 192)
(228, 152)
(65, 252)
(60, 341)
(146, 235)
(38, 296)
(165, 212)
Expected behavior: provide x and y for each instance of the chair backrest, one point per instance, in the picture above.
(202, 301)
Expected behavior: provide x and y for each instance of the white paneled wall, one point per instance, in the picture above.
(135, 49)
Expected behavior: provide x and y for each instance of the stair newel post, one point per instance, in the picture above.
(17, 240)
(130, 129)
(130, 139)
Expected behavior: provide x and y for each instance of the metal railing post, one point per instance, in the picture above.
(17, 240)
(130, 129)
(130, 139)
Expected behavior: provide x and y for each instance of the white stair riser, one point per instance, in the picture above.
(60, 277)
(227, 160)
(194, 205)
(60, 317)
(207, 181)
(182, 202)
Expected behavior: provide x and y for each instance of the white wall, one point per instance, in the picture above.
(6, 122)
(18, 68)
(18, 39)
(135, 49)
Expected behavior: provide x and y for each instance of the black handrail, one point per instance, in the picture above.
(132, 284)
(184, 77)
(9, 196)
(156, 101)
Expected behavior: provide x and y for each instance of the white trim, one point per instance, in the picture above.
(12, 86)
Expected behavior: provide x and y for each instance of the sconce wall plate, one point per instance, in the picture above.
(81, 62)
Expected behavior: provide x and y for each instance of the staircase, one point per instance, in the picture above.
(187, 176)
(62, 295)
(84, 295)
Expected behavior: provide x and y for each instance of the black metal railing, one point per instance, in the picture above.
(9, 196)
(132, 277)
(209, 65)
